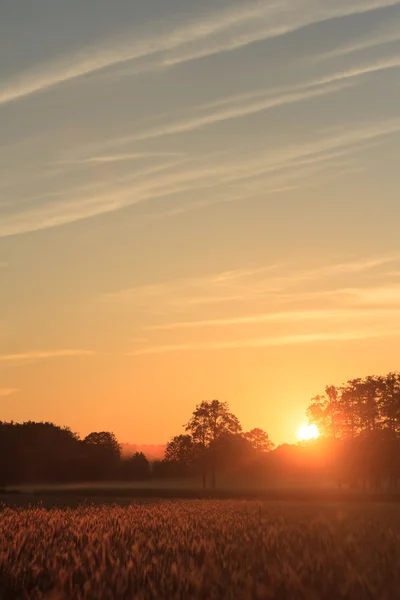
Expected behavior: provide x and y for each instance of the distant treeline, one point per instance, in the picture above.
(362, 419)
(359, 446)
(46, 453)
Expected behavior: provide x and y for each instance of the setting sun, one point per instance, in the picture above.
(307, 432)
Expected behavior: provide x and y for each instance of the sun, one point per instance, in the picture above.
(307, 432)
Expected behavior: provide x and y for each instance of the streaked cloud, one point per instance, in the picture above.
(235, 112)
(8, 391)
(111, 158)
(327, 315)
(42, 355)
(243, 24)
(357, 46)
(236, 107)
(83, 204)
(264, 342)
(246, 284)
(377, 295)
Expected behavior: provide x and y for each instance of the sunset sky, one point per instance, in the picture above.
(198, 200)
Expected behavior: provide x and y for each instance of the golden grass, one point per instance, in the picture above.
(205, 549)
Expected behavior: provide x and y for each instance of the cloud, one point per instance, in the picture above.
(112, 158)
(263, 100)
(226, 281)
(265, 342)
(343, 268)
(365, 44)
(8, 391)
(41, 355)
(242, 24)
(236, 112)
(278, 25)
(325, 315)
(281, 280)
(119, 51)
(378, 295)
(290, 161)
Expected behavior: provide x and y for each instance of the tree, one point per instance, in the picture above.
(181, 450)
(363, 415)
(106, 441)
(209, 422)
(317, 413)
(37, 452)
(103, 455)
(259, 440)
(390, 402)
(136, 467)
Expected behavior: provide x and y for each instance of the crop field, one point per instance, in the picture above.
(201, 549)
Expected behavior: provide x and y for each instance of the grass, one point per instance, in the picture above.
(202, 549)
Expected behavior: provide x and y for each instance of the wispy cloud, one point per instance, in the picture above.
(326, 315)
(240, 24)
(279, 23)
(8, 391)
(41, 355)
(343, 268)
(235, 112)
(258, 283)
(374, 296)
(358, 46)
(263, 100)
(120, 51)
(112, 158)
(265, 342)
(187, 290)
(287, 164)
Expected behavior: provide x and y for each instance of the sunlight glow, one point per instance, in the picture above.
(307, 432)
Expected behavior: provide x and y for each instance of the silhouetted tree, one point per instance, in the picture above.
(259, 440)
(182, 453)
(209, 421)
(136, 467)
(36, 452)
(104, 440)
(103, 454)
(363, 415)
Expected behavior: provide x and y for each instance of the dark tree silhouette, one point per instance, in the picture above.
(209, 421)
(103, 454)
(259, 440)
(104, 440)
(136, 467)
(363, 416)
(182, 453)
(36, 452)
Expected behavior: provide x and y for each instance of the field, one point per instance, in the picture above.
(202, 549)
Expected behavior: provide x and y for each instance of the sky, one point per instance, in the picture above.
(198, 200)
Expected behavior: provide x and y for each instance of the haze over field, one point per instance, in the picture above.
(198, 200)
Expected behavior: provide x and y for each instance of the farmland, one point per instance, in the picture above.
(202, 549)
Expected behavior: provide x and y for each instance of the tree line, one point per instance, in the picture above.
(214, 440)
(361, 418)
(359, 446)
(46, 453)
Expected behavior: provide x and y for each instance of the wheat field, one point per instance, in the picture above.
(204, 549)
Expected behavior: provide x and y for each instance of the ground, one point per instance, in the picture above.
(200, 549)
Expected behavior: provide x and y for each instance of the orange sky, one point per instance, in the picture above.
(196, 201)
